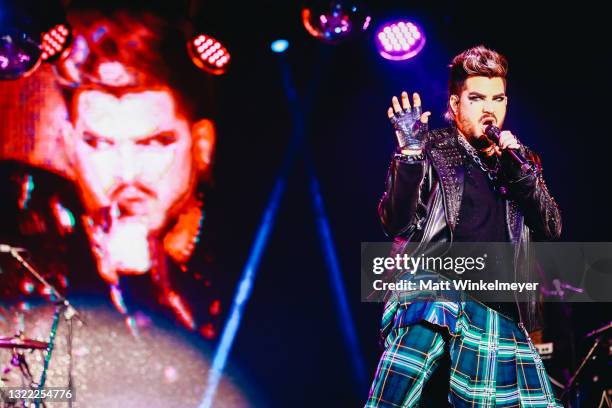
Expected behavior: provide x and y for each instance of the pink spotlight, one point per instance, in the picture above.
(400, 40)
(208, 54)
(56, 42)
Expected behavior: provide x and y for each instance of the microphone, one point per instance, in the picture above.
(492, 133)
(7, 249)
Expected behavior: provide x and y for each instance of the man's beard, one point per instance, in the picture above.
(474, 132)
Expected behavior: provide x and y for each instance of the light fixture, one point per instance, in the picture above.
(400, 40)
(334, 22)
(208, 54)
(19, 54)
(279, 46)
(56, 42)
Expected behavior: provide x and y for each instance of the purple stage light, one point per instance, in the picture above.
(399, 41)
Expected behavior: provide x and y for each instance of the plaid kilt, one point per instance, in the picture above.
(493, 363)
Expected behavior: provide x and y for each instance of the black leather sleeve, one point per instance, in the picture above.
(529, 190)
(402, 202)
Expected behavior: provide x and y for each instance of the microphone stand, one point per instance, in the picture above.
(600, 334)
(64, 307)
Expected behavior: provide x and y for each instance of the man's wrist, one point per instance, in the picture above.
(411, 151)
(409, 157)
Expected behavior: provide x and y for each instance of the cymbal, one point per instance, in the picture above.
(16, 342)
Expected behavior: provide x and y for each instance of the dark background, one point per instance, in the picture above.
(290, 345)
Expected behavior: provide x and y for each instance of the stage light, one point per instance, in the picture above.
(208, 54)
(279, 46)
(339, 289)
(56, 42)
(399, 41)
(243, 292)
(22, 24)
(19, 54)
(334, 22)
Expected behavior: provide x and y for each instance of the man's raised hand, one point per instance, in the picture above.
(409, 123)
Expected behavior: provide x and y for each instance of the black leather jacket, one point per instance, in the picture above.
(423, 197)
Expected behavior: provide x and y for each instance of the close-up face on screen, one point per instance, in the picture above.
(132, 153)
(303, 204)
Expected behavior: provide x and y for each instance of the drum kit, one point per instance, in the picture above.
(19, 345)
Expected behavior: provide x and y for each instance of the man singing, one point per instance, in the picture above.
(455, 185)
(119, 229)
(139, 154)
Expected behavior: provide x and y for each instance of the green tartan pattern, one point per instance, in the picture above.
(493, 364)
